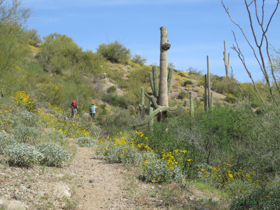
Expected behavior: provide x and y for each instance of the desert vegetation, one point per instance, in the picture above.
(231, 146)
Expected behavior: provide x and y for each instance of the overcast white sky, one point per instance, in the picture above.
(196, 28)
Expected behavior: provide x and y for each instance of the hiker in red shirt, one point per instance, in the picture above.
(74, 108)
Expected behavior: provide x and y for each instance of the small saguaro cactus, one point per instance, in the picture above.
(226, 62)
(191, 105)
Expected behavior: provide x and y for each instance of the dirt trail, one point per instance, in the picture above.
(100, 183)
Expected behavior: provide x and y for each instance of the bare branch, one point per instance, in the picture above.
(241, 56)
(261, 62)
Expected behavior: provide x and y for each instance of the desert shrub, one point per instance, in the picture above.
(57, 136)
(29, 118)
(182, 74)
(22, 154)
(111, 89)
(121, 154)
(157, 171)
(138, 59)
(119, 121)
(183, 95)
(26, 134)
(188, 82)
(5, 141)
(230, 99)
(114, 52)
(194, 71)
(140, 74)
(115, 100)
(54, 155)
(263, 198)
(225, 85)
(85, 142)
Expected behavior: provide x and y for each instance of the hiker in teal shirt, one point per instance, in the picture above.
(92, 110)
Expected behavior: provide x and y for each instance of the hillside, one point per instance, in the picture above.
(51, 161)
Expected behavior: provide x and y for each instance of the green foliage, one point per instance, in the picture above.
(115, 100)
(140, 75)
(263, 198)
(22, 154)
(119, 121)
(34, 37)
(231, 99)
(85, 142)
(5, 140)
(188, 82)
(111, 89)
(26, 134)
(225, 85)
(121, 154)
(54, 155)
(60, 54)
(182, 75)
(138, 59)
(114, 52)
(183, 95)
(157, 171)
(57, 136)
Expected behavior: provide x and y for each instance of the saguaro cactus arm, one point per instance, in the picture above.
(169, 80)
(154, 113)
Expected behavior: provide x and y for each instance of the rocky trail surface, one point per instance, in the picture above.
(88, 182)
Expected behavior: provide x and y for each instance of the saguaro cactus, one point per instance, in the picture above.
(160, 90)
(191, 105)
(226, 62)
(207, 94)
(163, 87)
(208, 84)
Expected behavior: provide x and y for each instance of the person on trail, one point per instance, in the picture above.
(74, 109)
(92, 110)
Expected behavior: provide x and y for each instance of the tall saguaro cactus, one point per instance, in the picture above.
(208, 84)
(207, 93)
(225, 58)
(160, 90)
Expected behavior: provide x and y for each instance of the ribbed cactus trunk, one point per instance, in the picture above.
(163, 87)
(225, 58)
(208, 83)
(191, 105)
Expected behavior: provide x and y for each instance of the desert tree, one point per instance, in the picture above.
(261, 48)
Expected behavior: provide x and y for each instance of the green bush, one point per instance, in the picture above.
(230, 99)
(225, 85)
(182, 95)
(182, 75)
(138, 59)
(85, 142)
(114, 52)
(111, 89)
(115, 100)
(121, 154)
(157, 171)
(263, 198)
(22, 154)
(54, 155)
(5, 141)
(188, 82)
(57, 136)
(26, 134)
